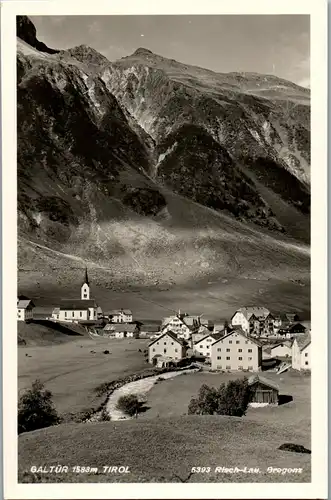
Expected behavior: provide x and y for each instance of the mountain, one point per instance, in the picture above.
(152, 171)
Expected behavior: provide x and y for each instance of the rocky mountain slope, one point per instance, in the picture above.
(148, 169)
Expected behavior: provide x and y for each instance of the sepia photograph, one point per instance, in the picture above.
(163, 270)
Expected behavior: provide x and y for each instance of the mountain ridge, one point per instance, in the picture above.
(146, 171)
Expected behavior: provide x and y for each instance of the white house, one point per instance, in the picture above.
(203, 346)
(281, 350)
(121, 330)
(257, 321)
(301, 355)
(236, 351)
(24, 309)
(120, 316)
(167, 346)
(182, 325)
(83, 309)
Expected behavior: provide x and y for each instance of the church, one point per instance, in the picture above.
(75, 310)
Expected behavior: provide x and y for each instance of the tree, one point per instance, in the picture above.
(36, 409)
(129, 404)
(229, 399)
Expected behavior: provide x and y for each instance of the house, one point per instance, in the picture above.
(121, 330)
(203, 346)
(119, 316)
(236, 351)
(301, 355)
(148, 331)
(182, 325)
(200, 334)
(282, 350)
(255, 321)
(75, 310)
(24, 309)
(264, 391)
(290, 318)
(167, 345)
(291, 330)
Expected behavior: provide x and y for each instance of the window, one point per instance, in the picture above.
(176, 350)
(164, 350)
(250, 359)
(219, 349)
(80, 314)
(240, 367)
(172, 343)
(157, 343)
(207, 346)
(230, 341)
(306, 363)
(240, 358)
(237, 341)
(85, 295)
(228, 358)
(153, 350)
(306, 355)
(219, 357)
(228, 350)
(165, 343)
(228, 367)
(65, 314)
(73, 314)
(240, 350)
(201, 347)
(250, 368)
(250, 350)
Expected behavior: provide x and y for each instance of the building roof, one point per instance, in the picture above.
(191, 320)
(287, 343)
(214, 336)
(25, 304)
(258, 312)
(257, 378)
(120, 327)
(114, 312)
(303, 341)
(240, 331)
(76, 304)
(56, 310)
(85, 278)
(149, 328)
(171, 334)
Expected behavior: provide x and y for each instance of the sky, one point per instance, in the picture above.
(268, 44)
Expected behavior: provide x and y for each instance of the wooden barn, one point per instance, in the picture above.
(263, 390)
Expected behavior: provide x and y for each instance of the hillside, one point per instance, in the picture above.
(38, 333)
(151, 171)
(165, 449)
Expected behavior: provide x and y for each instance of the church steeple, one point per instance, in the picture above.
(85, 289)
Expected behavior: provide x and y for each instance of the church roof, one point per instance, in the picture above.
(76, 304)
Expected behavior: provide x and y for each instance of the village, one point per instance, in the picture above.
(252, 339)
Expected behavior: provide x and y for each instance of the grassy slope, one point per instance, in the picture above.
(47, 333)
(72, 372)
(295, 415)
(164, 450)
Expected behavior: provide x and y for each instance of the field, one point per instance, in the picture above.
(171, 398)
(164, 450)
(73, 369)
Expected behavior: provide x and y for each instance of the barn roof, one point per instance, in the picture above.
(287, 343)
(120, 327)
(257, 378)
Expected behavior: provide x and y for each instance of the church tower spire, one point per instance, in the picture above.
(85, 289)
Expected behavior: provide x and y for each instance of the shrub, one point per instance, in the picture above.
(296, 448)
(36, 409)
(104, 415)
(129, 404)
(229, 399)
